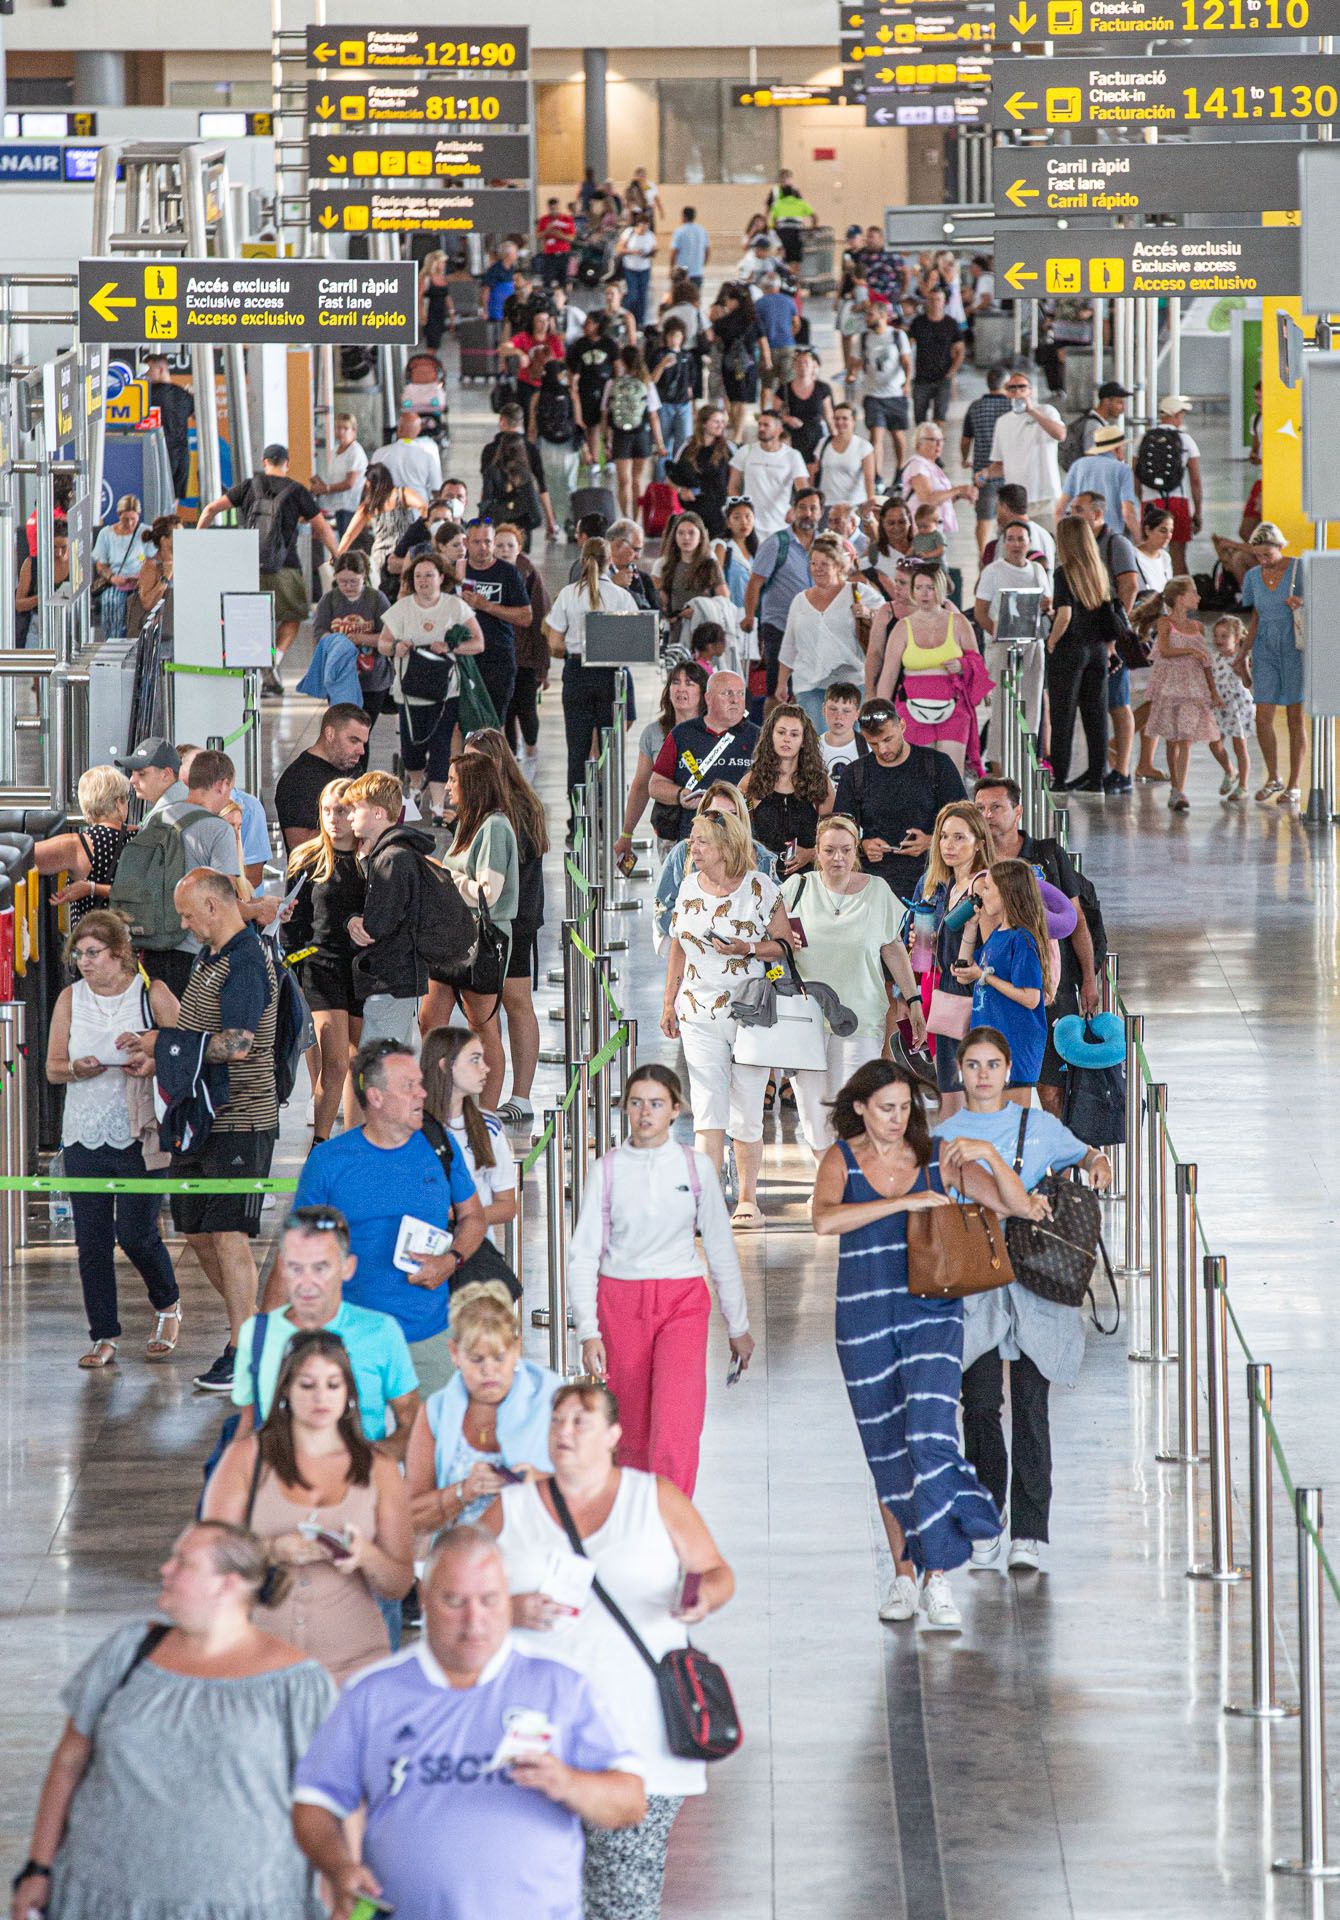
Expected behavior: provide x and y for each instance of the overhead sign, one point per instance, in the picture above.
(1150, 262)
(376, 48)
(778, 94)
(1143, 179)
(921, 26)
(27, 163)
(446, 156)
(352, 102)
(93, 385)
(60, 395)
(956, 110)
(1282, 88)
(303, 302)
(966, 71)
(1106, 22)
(872, 21)
(420, 210)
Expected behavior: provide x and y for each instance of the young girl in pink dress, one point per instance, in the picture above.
(1182, 693)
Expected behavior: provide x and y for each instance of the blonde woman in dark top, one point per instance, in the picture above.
(333, 892)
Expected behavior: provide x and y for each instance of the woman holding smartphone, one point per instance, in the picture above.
(328, 1506)
(636, 1282)
(651, 1550)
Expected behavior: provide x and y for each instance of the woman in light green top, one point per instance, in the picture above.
(487, 863)
(850, 921)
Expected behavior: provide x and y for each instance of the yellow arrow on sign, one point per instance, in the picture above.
(324, 54)
(1022, 20)
(104, 305)
(336, 163)
(324, 107)
(885, 33)
(1016, 193)
(1016, 106)
(886, 74)
(1015, 277)
(329, 218)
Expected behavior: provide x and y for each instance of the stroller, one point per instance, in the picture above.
(425, 393)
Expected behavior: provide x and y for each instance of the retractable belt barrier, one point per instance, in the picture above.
(1140, 1187)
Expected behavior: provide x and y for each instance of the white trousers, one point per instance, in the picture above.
(725, 1097)
(816, 1091)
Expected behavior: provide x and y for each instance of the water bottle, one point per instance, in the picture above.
(60, 1213)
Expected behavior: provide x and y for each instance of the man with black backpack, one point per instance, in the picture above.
(1084, 954)
(274, 507)
(1167, 470)
(233, 997)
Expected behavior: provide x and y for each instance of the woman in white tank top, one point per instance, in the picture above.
(642, 1536)
(108, 1116)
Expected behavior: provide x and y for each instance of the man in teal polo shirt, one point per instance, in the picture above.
(314, 1263)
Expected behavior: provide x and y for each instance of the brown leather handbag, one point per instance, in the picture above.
(956, 1250)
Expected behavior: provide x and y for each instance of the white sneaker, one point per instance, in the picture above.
(903, 1600)
(1025, 1556)
(938, 1603)
(985, 1554)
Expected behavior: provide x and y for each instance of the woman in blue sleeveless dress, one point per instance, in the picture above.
(902, 1357)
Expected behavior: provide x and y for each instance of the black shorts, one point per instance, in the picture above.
(524, 956)
(588, 405)
(328, 985)
(1052, 1072)
(224, 1156)
(632, 443)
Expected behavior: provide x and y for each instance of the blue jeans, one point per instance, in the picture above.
(635, 292)
(676, 425)
(812, 703)
(390, 1613)
(104, 1222)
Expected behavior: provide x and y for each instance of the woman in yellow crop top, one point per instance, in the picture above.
(933, 672)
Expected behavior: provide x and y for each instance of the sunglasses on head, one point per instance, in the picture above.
(738, 500)
(481, 520)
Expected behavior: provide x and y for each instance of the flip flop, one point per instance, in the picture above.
(747, 1215)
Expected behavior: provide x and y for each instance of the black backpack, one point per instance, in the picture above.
(1159, 462)
(262, 515)
(554, 417)
(446, 931)
(295, 1031)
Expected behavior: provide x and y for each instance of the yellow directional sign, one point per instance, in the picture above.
(1100, 23)
(924, 26)
(459, 49)
(1286, 89)
(303, 302)
(1142, 178)
(1150, 262)
(344, 103)
(470, 157)
(429, 209)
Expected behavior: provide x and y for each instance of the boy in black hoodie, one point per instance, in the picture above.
(389, 964)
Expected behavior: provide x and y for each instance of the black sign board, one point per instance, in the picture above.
(1280, 89)
(350, 103)
(446, 49)
(468, 157)
(420, 210)
(64, 397)
(922, 26)
(1143, 179)
(777, 93)
(304, 302)
(914, 71)
(1148, 263)
(926, 109)
(875, 21)
(1101, 23)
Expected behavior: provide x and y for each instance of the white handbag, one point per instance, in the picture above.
(797, 1041)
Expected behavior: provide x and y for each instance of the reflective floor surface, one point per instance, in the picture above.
(1066, 1757)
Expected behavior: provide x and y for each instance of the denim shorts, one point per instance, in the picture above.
(1119, 689)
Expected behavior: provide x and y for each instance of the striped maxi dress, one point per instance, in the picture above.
(902, 1359)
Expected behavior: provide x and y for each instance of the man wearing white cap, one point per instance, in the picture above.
(1157, 462)
(1104, 471)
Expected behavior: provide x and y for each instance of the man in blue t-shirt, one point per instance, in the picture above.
(390, 1185)
(690, 247)
(304, 1296)
(415, 1739)
(780, 571)
(498, 281)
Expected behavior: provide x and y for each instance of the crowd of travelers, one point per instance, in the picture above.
(855, 928)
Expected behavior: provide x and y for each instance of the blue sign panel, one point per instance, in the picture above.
(27, 162)
(81, 163)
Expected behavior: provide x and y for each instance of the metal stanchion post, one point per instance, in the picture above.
(1187, 1451)
(557, 1234)
(11, 1097)
(1312, 1863)
(518, 1226)
(1049, 813)
(1263, 1704)
(600, 1033)
(595, 934)
(1110, 983)
(1156, 1140)
(14, 1019)
(577, 1140)
(574, 976)
(1135, 1033)
(1220, 1567)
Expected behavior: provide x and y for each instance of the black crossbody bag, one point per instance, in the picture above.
(701, 1722)
(1055, 1258)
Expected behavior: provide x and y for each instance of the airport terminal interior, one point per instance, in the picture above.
(235, 247)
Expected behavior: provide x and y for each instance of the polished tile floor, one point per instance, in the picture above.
(1066, 1756)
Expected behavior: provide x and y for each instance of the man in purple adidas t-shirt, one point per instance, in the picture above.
(451, 1836)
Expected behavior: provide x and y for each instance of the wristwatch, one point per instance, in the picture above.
(28, 1871)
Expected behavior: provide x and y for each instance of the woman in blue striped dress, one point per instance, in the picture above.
(902, 1357)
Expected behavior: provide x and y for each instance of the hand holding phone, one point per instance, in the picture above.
(735, 1369)
(335, 1544)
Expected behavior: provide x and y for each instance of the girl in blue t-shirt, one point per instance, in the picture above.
(1011, 971)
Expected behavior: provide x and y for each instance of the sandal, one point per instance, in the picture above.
(101, 1354)
(788, 1095)
(770, 1096)
(1270, 789)
(159, 1346)
(1153, 777)
(747, 1214)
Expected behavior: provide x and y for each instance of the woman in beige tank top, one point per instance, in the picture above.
(332, 1512)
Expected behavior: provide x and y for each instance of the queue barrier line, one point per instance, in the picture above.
(209, 673)
(71, 1184)
(1304, 1519)
(245, 728)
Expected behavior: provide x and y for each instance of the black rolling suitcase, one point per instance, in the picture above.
(593, 500)
(479, 361)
